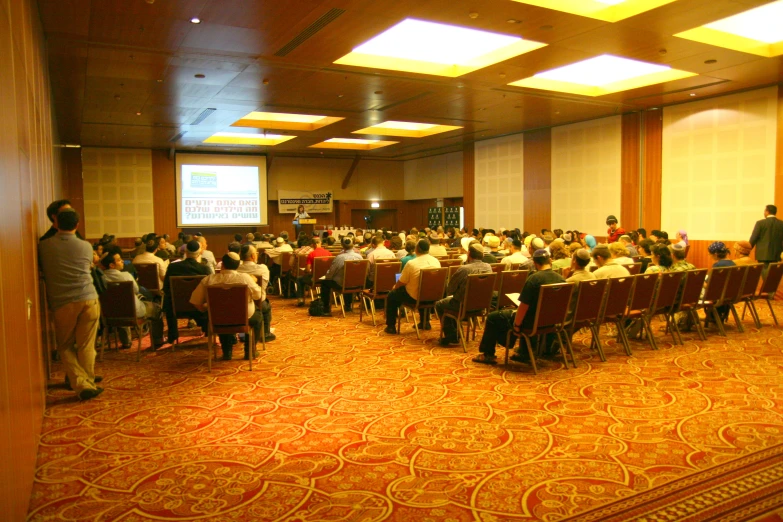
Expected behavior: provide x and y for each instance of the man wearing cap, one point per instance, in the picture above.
(406, 290)
(260, 273)
(149, 257)
(607, 266)
(456, 292)
(276, 254)
(379, 252)
(680, 264)
(579, 262)
(333, 280)
(435, 247)
(767, 237)
(191, 266)
(615, 231)
(228, 276)
(207, 257)
(493, 242)
(500, 322)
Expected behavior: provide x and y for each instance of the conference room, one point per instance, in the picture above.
(414, 260)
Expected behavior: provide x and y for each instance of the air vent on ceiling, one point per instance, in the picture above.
(178, 137)
(203, 116)
(316, 26)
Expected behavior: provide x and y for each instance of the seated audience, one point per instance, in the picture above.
(180, 241)
(260, 273)
(642, 233)
(229, 275)
(560, 258)
(620, 254)
(149, 257)
(579, 262)
(742, 253)
(680, 264)
(626, 241)
(406, 290)
(645, 250)
(682, 238)
(500, 322)
(163, 244)
(435, 247)
(379, 252)
(190, 266)
(334, 277)
(607, 265)
(276, 255)
(410, 252)
(515, 256)
(661, 260)
(396, 245)
(719, 253)
(590, 242)
(207, 257)
(306, 279)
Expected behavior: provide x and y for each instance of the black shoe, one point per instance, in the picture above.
(326, 313)
(518, 357)
(156, 346)
(68, 386)
(255, 355)
(391, 330)
(300, 302)
(125, 347)
(445, 341)
(226, 356)
(269, 337)
(427, 326)
(88, 394)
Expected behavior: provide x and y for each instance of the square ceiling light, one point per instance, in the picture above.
(606, 10)
(602, 75)
(406, 129)
(352, 144)
(757, 31)
(242, 138)
(284, 121)
(431, 48)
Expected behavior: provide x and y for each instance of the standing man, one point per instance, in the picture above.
(615, 231)
(767, 237)
(66, 262)
(51, 212)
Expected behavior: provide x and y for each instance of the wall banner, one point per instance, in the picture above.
(314, 202)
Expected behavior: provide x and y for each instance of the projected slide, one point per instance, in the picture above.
(219, 195)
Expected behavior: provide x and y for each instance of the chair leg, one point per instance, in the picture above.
(562, 349)
(570, 347)
(595, 334)
(623, 337)
(415, 325)
(648, 327)
(103, 343)
(140, 337)
(462, 339)
(736, 318)
(251, 353)
(772, 311)
(372, 311)
(341, 304)
(530, 354)
(754, 312)
(210, 342)
(674, 329)
(718, 321)
(694, 316)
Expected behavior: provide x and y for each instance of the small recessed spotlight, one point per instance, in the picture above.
(375, 204)
(710, 62)
(378, 92)
(195, 20)
(513, 21)
(653, 108)
(159, 81)
(339, 95)
(692, 94)
(138, 114)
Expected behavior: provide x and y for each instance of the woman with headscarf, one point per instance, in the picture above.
(682, 238)
(590, 242)
(742, 253)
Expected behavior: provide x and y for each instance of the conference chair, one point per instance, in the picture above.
(669, 284)
(752, 279)
(551, 314)
(690, 296)
(476, 303)
(769, 288)
(498, 268)
(511, 282)
(445, 263)
(118, 310)
(733, 292)
(321, 265)
(641, 305)
(285, 271)
(354, 279)
(713, 295)
(148, 277)
(431, 288)
(618, 296)
(182, 288)
(634, 269)
(228, 314)
(383, 282)
(587, 314)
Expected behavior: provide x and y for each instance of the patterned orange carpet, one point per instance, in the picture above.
(340, 422)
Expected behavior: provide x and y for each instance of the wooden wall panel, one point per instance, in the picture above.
(468, 184)
(779, 152)
(538, 180)
(26, 182)
(653, 165)
(629, 175)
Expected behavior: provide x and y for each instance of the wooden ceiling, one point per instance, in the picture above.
(112, 59)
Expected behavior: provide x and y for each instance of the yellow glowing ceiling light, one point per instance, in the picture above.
(240, 138)
(281, 120)
(602, 75)
(352, 144)
(606, 10)
(430, 48)
(406, 129)
(757, 31)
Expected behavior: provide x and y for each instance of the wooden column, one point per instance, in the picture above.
(779, 154)
(629, 176)
(537, 180)
(73, 185)
(653, 164)
(468, 181)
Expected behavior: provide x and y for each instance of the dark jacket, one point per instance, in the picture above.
(767, 237)
(181, 268)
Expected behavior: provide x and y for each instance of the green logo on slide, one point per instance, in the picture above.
(203, 180)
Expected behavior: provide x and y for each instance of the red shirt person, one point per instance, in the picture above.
(615, 230)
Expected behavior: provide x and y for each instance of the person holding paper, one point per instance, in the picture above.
(499, 323)
(301, 213)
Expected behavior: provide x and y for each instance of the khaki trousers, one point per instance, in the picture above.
(76, 325)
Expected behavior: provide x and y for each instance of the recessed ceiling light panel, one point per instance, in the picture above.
(284, 121)
(352, 144)
(606, 10)
(431, 48)
(241, 138)
(756, 31)
(406, 129)
(602, 75)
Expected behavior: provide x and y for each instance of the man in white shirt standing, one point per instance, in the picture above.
(229, 275)
(149, 257)
(260, 272)
(407, 288)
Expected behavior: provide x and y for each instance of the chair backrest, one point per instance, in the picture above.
(384, 277)
(514, 266)
(511, 282)
(772, 281)
(355, 274)
(636, 259)
(432, 284)
(301, 263)
(285, 262)
(752, 280)
(445, 263)
(321, 266)
(118, 302)
(148, 275)
(735, 284)
(634, 269)
(553, 303)
(227, 305)
(668, 287)
(687, 249)
(716, 284)
(590, 299)
(619, 294)
(498, 269)
(478, 292)
(182, 288)
(593, 268)
(691, 290)
(644, 292)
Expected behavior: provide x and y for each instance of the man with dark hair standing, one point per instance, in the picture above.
(65, 262)
(406, 290)
(190, 266)
(767, 237)
(51, 212)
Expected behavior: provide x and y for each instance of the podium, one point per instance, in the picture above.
(306, 225)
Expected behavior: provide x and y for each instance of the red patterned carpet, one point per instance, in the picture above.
(340, 422)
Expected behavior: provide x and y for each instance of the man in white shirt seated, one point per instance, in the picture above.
(149, 257)
(227, 276)
(515, 256)
(620, 253)
(436, 249)
(112, 270)
(250, 266)
(407, 288)
(207, 257)
(608, 267)
(276, 254)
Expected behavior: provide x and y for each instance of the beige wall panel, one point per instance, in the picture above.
(499, 182)
(434, 177)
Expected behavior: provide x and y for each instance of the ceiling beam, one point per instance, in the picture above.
(269, 159)
(350, 171)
